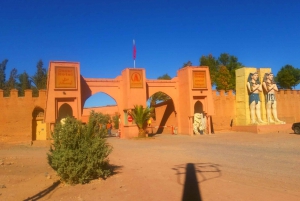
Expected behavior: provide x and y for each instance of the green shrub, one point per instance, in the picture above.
(79, 152)
(141, 115)
(116, 121)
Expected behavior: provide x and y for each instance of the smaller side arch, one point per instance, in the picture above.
(64, 111)
(38, 125)
(198, 107)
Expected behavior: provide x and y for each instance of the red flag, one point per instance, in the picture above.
(134, 50)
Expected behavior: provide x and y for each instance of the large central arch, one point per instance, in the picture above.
(91, 86)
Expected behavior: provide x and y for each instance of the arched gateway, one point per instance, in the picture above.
(66, 87)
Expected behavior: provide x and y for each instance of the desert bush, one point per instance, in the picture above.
(97, 123)
(79, 153)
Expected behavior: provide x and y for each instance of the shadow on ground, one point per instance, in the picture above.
(294, 134)
(44, 192)
(191, 189)
(115, 169)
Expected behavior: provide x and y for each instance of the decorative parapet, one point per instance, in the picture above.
(223, 93)
(14, 93)
(42, 93)
(232, 93)
(288, 91)
(28, 93)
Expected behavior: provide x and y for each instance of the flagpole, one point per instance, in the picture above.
(134, 53)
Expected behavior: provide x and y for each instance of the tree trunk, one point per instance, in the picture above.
(142, 132)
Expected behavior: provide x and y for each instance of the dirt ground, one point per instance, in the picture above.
(222, 166)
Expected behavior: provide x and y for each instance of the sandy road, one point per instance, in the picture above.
(224, 166)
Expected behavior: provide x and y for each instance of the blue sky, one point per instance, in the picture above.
(99, 34)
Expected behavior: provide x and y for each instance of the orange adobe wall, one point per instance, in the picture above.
(224, 104)
(288, 105)
(16, 119)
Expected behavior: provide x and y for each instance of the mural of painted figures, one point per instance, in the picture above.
(270, 89)
(199, 125)
(254, 87)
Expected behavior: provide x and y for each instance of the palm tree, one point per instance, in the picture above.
(141, 115)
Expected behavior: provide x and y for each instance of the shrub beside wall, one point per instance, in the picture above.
(80, 152)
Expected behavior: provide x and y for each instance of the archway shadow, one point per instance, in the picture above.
(191, 189)
(169, 110)
(44, 192)
(212, 125)
(85, 92)
(34, 124)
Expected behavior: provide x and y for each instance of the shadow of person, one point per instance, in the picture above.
(191, 189)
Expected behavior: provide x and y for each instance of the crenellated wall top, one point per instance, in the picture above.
(222, 93)
(288, 91)
(28, 93)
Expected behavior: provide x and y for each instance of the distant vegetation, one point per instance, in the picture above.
(23, 81)
(222, 70)
(222, 73)
(288, 77)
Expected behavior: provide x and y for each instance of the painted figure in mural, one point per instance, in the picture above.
(270, 89)
(254, 87)
(199, 124)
